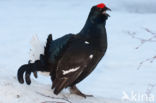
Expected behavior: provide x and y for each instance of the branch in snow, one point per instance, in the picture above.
(147, 60)
(143, 41)
(149, 89)
(149, 31)
(52, 102)
(64, 99)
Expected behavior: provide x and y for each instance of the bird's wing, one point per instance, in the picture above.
(92, 65)
(57, 46)
(71, 65)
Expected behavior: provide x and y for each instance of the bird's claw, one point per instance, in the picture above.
(75, 90)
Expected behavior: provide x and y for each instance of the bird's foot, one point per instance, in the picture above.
(75, 90)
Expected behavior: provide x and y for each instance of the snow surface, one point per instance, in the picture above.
(117, 72)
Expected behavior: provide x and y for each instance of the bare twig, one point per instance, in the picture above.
(150, 88)
(52, 102)
(148, 92)
(143, 41)
(147, 60)
(149, 31)
(64, 99)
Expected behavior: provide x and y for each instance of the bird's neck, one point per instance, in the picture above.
(95, 33)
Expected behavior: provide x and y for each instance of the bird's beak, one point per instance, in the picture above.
(108, 9)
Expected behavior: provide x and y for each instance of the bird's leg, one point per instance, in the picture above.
(75, 90)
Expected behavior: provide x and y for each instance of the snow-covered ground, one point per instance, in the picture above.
(116, 74)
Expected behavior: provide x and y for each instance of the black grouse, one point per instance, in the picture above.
(72, 58)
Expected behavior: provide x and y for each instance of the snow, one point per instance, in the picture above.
(116, 73)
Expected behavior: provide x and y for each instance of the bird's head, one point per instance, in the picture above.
(98, 13)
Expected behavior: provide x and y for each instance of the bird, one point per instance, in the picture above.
(71, 58)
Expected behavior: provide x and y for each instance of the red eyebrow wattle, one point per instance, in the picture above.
(101, 5)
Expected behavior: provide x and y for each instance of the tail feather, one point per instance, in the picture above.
(36, 50)
(46, 50)
(60, 84)
(44, 58)
(27, 69)
(38, 59)
(20, 73)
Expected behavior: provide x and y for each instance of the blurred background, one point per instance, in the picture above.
(130, 27)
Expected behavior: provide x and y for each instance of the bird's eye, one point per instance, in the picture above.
(100, 9)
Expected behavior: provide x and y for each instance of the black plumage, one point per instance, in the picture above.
(72, 58)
